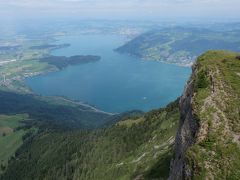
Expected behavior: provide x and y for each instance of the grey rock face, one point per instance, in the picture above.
(186, 134)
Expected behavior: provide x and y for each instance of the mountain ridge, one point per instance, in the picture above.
(207, 143)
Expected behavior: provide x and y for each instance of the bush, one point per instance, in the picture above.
(202, 81)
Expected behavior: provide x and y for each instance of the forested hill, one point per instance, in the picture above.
(62, 62)
(181, 46)
(57, 111)
(23, 116)
(135, 147)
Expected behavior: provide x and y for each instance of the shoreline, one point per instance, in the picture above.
(17, 83)
(52, 68)
(186, 65)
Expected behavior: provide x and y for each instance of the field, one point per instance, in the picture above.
(22, 61)
(179, 45)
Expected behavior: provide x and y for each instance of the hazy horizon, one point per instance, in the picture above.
(125, 10)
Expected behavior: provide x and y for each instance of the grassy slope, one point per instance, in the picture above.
(216, 103)
(58, 112)
(118, 152)
(10, 138)
(180, 45)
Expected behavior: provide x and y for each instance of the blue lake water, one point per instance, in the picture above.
(117, 82)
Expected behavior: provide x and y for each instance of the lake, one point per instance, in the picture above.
(117, 82)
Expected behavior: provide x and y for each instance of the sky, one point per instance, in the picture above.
(121, 9)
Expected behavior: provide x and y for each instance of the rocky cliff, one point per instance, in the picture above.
(207, 144)
(186, 135)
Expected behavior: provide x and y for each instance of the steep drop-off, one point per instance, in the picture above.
(207, 144)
